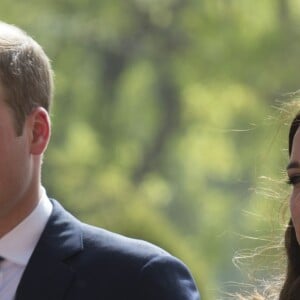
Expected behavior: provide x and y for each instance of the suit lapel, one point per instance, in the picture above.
(47, 275)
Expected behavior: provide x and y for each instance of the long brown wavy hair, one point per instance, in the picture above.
(291, 287)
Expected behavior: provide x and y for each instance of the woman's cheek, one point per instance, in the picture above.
(295, 210)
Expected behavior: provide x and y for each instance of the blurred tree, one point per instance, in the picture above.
(161, 117)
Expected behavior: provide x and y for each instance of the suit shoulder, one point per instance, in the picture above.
(95, 243)
(155, 273)
(99, 239)
(112, 265)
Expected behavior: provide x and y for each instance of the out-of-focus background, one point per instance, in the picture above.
(165, 124)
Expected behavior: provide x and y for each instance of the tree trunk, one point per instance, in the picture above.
(284, 13)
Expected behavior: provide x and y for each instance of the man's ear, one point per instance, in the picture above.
(39, 130)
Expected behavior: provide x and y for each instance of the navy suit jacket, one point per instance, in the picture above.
(75, 261)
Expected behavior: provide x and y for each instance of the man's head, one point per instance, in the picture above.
(25, 97)
(25, 74)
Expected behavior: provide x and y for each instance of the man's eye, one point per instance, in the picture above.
(293, 180)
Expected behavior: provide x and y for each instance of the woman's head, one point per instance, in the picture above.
(293, 172)
(291, 287)
(293, 129)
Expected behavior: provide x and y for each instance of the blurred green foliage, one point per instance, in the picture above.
(161, 120)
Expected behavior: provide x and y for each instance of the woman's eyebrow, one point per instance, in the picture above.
(293, 165)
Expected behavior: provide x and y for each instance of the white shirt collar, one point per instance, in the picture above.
(18, 244)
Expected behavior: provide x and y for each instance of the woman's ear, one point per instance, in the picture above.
(39, 130)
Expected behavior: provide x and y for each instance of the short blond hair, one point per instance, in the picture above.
(25, 73)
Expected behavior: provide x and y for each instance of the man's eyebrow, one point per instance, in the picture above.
(293, 165)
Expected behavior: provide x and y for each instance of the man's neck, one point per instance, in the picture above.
(13, 215)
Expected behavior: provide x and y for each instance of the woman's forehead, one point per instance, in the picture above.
(296, 145)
